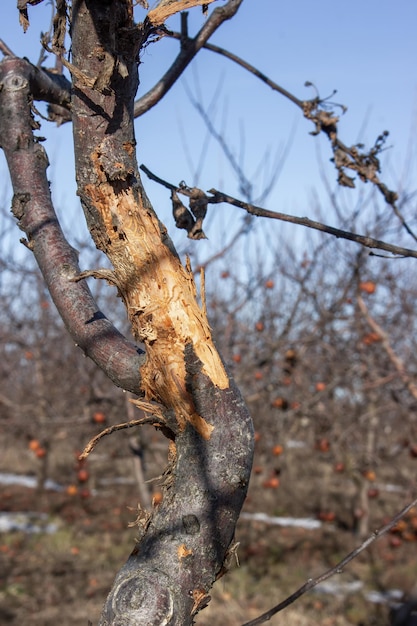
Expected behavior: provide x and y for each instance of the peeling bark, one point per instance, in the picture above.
(159, 293)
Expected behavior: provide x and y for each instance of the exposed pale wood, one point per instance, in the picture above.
(166, 8)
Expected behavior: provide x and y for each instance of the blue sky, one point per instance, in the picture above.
(366, 49)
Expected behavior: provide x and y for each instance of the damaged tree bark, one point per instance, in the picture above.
(185, 540)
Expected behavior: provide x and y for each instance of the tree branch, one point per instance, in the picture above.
(148, 419)
(33, 208)
(365, 164)
(368, 242)
(393, 357)
(246, 66)
(189, 49)
(218, 197)
(337, 569)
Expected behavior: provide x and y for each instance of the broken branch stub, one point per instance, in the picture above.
(167, 8)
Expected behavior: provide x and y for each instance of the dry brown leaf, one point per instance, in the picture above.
(23, 12)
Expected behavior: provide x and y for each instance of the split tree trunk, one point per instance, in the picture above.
(186, 539)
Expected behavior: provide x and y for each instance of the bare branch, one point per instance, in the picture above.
(337, 569)
(365, 164)
(368, 242)
(149, 419)
(33, 208)
(247, 66)
(158, 180)
(393, 357)
(188, 51)
(219, 196)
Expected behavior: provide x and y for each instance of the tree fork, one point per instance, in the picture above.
(32, 207)
(185, 542)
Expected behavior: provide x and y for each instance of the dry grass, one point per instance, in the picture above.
(64, 578)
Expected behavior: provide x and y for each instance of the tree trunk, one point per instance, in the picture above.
(183, 380)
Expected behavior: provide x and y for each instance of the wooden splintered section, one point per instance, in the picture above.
(160, 297)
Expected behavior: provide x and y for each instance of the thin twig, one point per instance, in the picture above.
(365, 164)
(111, 429)
(393, 357)
(4, 48)
(247, 66)
(219, 196)
(156, 178)
(337, 569)
(368, 242)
